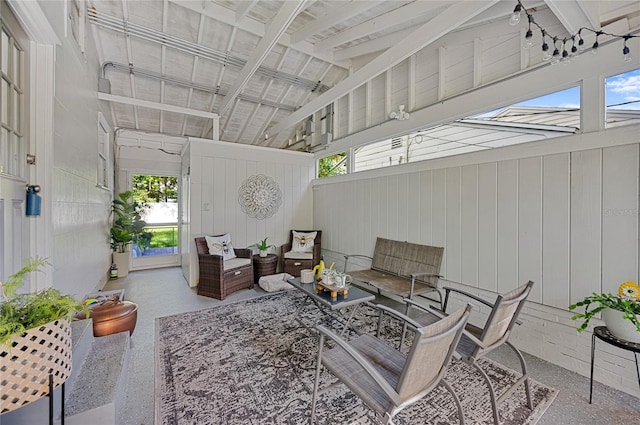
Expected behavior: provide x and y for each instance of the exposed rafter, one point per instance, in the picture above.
(394, 18)
(571, 15)
(332, 18)
(252, 26)
(164, 107)
(243, 8)
(274, 31)
(452, 17)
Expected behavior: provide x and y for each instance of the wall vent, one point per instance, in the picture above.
(396, 142)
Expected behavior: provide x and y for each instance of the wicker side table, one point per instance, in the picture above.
(264, 266)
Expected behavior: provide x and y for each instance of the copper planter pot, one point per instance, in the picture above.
(112, 317)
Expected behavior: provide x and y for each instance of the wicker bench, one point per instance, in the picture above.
(401, 268)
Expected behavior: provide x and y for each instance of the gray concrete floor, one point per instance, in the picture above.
(163, 292)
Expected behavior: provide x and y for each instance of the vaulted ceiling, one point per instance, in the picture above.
(265, 66)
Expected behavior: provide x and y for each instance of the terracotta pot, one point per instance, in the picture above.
(112, 317)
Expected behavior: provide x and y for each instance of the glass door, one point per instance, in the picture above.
(159, 245)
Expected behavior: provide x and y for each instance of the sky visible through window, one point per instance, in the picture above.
(622, 92)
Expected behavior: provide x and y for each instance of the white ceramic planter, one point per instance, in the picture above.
(622, 328)
(122, 260)
(263, 252)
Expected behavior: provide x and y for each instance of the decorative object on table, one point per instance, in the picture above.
(35, 339)
(621, 312)
(262, 332)
(300, 252)
(307, 276)
(260, 196)
(318, 269)
(112, 316)
(128, 228)
(262, 246)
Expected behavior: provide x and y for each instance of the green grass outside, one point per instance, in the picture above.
(163, 237)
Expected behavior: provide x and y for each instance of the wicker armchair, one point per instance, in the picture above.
(219, 279)
(292, 263)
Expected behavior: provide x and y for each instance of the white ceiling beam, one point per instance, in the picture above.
(616, 13)
(498, 11)
(570, 15)
(451, 18)
(243, 8)
(332, 18)
(274, 31)
(252, 26)
(376, 45)
(155, 105)
(390, 19)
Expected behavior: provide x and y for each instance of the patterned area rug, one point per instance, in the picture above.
(251, 362)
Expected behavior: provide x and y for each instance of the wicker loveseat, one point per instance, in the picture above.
(219, 278)
(401, 268)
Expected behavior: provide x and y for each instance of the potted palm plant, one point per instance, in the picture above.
(35, 338)
(128, 227)
(620, 312)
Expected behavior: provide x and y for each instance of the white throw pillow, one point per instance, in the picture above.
(303, 242)
(221, 245)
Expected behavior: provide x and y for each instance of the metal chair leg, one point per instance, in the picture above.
(523, 365)
(314, 397)
(456, 399)
(492, 393)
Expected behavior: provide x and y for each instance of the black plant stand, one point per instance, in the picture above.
(603, 334)
(50, 395)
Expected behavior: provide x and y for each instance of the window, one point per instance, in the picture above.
(623, 99)
(333, 165)
(12, 143)
(552, 115)
(104, 164)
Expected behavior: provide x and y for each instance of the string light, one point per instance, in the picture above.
(515, 17)
(564, 56)
(625, 50)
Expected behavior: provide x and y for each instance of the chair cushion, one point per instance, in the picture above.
(275, 282)
(303, 242)
(221, 245)
(298, 255)
(234, 263)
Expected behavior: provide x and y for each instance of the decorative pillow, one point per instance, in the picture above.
(303, 242)
(221, 245)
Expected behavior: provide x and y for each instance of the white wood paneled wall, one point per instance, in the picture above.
(218, 169)
(567, 221)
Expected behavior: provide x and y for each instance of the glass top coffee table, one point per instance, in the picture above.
(323, 299)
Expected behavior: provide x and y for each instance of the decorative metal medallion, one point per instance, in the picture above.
(260, 196)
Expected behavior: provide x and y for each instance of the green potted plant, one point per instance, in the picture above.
(263, 247)
(128, 227)
(35, 337)
(621, 312)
